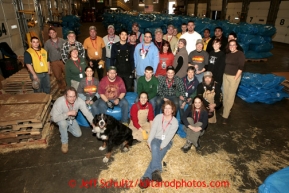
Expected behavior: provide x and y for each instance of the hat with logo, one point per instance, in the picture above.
(199, 41)
(110, 26)
(112, 68)
(35, 84)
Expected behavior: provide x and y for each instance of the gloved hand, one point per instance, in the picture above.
(145, 135)
(101, 64)
(110, 104)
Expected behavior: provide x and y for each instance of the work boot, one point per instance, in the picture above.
(64, 148)
(198, 147)
(156, 176)
(187, 146)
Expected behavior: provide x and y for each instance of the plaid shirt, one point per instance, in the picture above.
(177, 88)
(65, 50)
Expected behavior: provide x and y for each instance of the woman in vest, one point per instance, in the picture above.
(141, 115)
(195, 120)
(181, 59)
(211, 93)
(87, 89)
(74, 68)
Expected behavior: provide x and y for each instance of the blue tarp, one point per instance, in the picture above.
(252, 37)
(263, 88)
(277, 182)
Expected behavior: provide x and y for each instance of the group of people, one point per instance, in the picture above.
(173, 73)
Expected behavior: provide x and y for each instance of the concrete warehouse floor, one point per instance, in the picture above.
(252, 129)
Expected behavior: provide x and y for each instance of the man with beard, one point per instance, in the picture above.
(112, 91)
(71, 41)
(211, 93)
(122, 59)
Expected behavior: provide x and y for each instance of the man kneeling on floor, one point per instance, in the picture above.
(63, 114)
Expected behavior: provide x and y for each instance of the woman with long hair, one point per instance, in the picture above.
(195, 120)
(166, 59)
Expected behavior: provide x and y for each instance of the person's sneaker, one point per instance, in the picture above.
(126, 124)
(187, 146)
(144, 183)
(156, 176)
(64, 147)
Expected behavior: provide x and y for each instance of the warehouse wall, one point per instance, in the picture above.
(9, 27)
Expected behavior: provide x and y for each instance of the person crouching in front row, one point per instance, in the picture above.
(64, 112)
(195, 120)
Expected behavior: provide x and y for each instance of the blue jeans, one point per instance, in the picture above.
(100, 107)
(160, 101)
(65, 126)
(200, 77)
(157, 157)
(107, 63)
(135, 83)
(44, 82)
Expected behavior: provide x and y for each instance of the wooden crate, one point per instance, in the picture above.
(30, 143)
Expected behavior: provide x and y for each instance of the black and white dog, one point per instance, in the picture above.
(113, 133)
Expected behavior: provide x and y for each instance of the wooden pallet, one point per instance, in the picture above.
(256, 60)
(30, 143)
(25, 115)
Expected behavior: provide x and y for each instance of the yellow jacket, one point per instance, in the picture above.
(37, 58)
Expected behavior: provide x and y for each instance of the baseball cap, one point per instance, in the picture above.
(110, 26)
(170, 68)
(112, 68)
(35, 84)
(199, 41)
(70, 32)
(92, 28)
(208, 73)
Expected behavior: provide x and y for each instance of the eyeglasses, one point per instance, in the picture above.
(148, 37)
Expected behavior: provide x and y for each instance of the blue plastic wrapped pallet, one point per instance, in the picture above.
(255, 39)
(263, 88)
(276, 183)
(70, 22)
